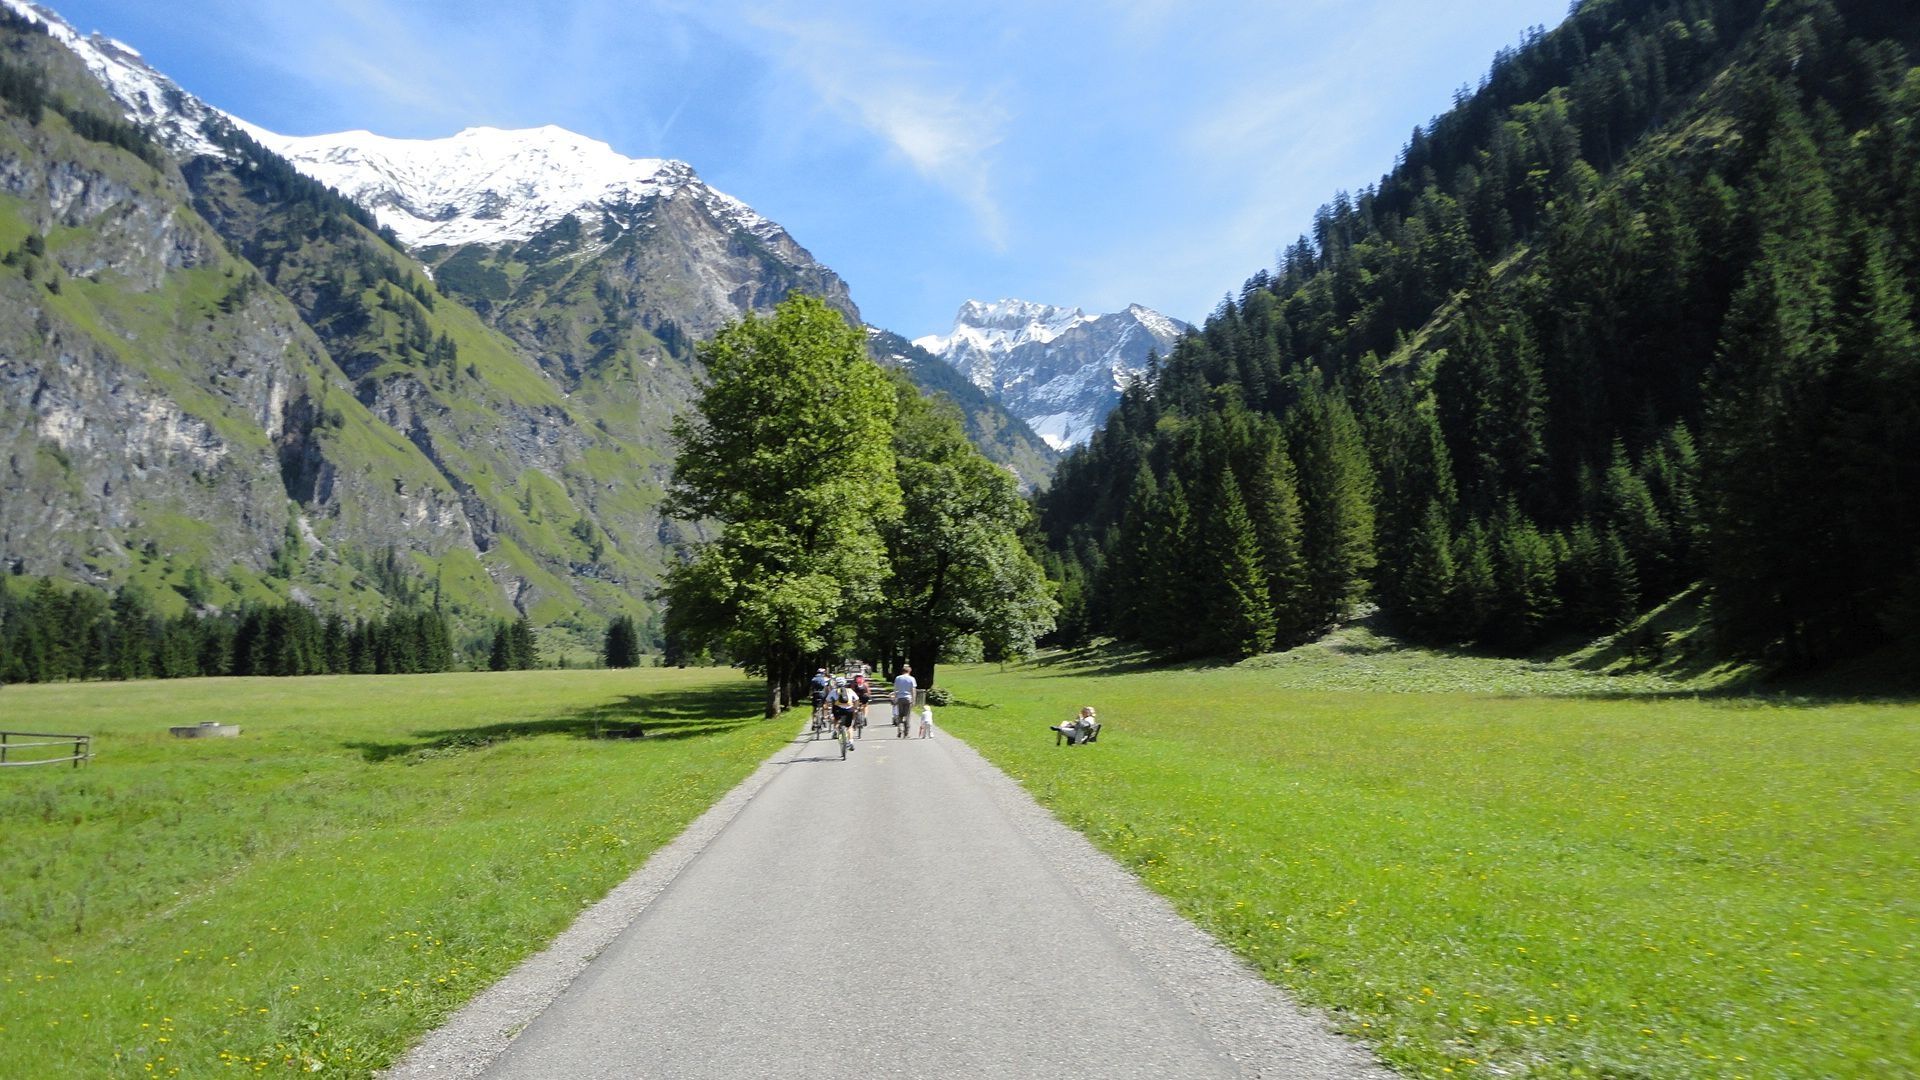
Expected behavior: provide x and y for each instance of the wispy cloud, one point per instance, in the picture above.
(375, 53)
(947, 132)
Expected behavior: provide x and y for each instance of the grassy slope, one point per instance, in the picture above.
(1600, 880)
(366, 856)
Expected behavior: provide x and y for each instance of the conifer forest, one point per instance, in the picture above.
(1635, 319)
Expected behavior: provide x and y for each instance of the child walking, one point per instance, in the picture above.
(926, 721)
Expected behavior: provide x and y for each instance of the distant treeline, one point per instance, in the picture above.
(1553, 368)
(49, 634)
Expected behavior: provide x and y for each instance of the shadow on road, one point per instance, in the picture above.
(668, 714)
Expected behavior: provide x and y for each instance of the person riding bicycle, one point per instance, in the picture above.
(903, 688)
(862, 687)
(821, 684)
(845, 705)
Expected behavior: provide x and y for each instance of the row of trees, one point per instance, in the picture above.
(49, 633)
(853, 515)
(1548, 373)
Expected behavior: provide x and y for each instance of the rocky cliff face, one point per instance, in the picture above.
(152, 391)
(1060, 370)
(458, 386)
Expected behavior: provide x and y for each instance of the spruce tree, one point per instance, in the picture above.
(1167, 613)
(1525, 599)
(1616, 590)
(1770, 518)
(1471, 608)
(1427, 580)
(622, 649)
(1336, 494)
(1273, 505)
(500, 657)
(1236, 617)
(1876, 447)
(522, 652)
(1631, 513)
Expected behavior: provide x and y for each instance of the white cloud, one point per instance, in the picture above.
(945, 131)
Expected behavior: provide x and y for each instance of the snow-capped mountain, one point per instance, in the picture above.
(151, 99)
(1059, 369)
(487, 186)
(483, 185)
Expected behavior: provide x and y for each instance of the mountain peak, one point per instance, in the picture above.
(1058, 368)
(150, 99)
(489, 185)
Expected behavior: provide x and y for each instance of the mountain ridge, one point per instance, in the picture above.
(228, 384)
(1060, 369)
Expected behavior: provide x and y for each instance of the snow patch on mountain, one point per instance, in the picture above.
(1059, 369)
(150, 99)
(486, 185)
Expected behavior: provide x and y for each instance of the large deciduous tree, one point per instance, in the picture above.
(789, 451)
(958, 566)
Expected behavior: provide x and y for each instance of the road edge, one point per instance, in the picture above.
(1258, 1025)
(467, 1044)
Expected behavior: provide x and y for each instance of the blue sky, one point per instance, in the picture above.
(1134, 151)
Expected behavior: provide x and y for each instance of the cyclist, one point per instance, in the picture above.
(821, 684)
(845, 704)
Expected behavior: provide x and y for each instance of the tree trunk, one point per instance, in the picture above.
(776, 674)
(921, 654)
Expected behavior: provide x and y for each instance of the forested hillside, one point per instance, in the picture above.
(1636, 313)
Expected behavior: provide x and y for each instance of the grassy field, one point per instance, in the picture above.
(368, 854)
(1525, 873)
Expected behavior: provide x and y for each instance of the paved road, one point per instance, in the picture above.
(909, 913)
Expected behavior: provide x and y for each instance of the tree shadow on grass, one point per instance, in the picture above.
(1112, 658)
(666, 715)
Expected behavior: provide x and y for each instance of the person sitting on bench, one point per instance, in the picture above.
(1084, 728)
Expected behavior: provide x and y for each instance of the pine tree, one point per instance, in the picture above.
(500, 657)
(523, 654)
(1875, 451)
(1616, 590)
(622, 649)
(1475, 588)
(1427, 580)
(1525, 597)
(1166, 614)
(1336, 494)
(1631, 513)
(1236, 617)
(1273, 505)
(1770, 559)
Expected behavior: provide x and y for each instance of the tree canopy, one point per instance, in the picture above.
(789, 450)
(853, 515)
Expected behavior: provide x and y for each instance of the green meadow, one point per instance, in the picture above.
(1532, 872)
(368, 854)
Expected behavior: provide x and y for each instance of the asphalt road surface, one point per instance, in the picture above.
(908, 912)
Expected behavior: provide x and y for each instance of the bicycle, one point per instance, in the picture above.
(844, 731)
(819, 723)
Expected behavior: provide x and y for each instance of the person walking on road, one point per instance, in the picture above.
(903, 688)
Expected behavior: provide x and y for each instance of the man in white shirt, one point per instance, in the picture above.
(903, 688)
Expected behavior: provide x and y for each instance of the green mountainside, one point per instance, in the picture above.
(221, 382)
(1637, 313)
(1003, 437)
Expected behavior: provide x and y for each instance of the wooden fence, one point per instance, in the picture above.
(81, 747)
